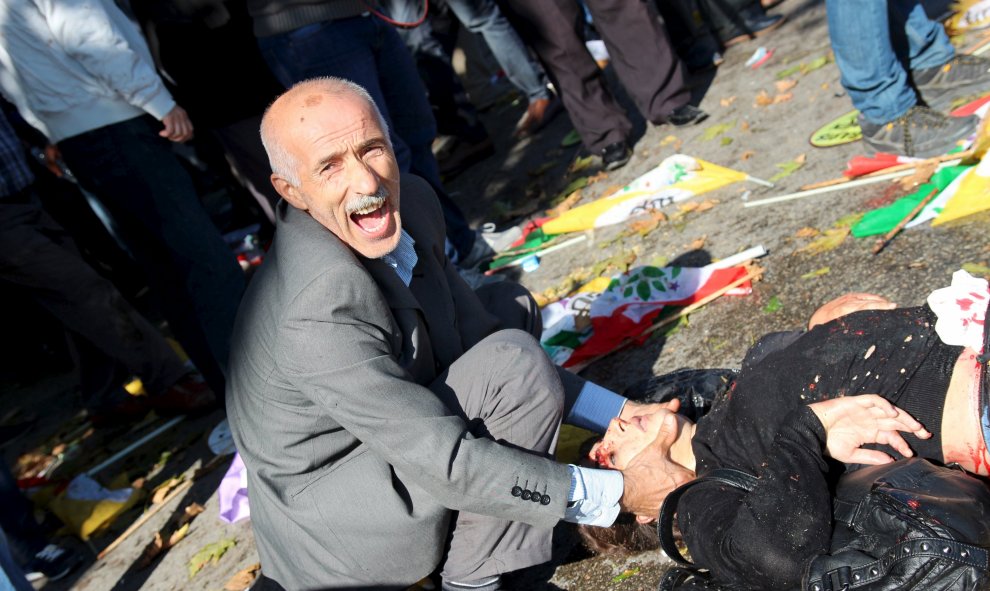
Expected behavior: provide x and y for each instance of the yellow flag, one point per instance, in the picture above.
(971, 196)
(677, 178)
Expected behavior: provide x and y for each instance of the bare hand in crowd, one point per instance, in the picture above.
(652, 475)
(854, 421)
(178, 126)
(847, 304)
(53, 160)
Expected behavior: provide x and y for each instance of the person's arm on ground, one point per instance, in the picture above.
(847, 304)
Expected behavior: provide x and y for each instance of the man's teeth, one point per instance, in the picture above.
(369, 208)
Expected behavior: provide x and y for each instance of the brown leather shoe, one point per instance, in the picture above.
(189, 396)
(537, 115)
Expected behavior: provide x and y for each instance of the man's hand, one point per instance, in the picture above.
(53, 160)
(652, 475)
(178, 127)
(854, 421)
(847, 304)
(633, 408)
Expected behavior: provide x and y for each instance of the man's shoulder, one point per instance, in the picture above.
(422, 217)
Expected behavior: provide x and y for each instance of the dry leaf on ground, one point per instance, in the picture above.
(727, 101)
(209, 553)
(244, 578)
(609, 191)
(161, 491)
(644, 227)
(783, 98)
(698, 243)
(922, 174)
(747, 155)
(670, 139)
(830, 240)
(569, 202)
(763, 99)
(807, 232)
(190, 513)
(783, 86)
(601, 176)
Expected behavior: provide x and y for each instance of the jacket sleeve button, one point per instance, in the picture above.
(545, 500)
(516, 491)
(537, 498)
(526, 494)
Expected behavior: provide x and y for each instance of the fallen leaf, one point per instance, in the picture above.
(209, 553)
(716, 130)
(744, 126)
(829, 240)
(541, 169)
(747, 155)
(154, 548)
(670, 139)
(698, 243)
(816, 273)
(572, 186)
(580, 164)
(601, 176)
(814, 65)
(573, 138)
(788, 168)
(783, 86)
(976, 269)
(629, 572)
(726, 140)
(568, 202)
(922, 174)
(243, 579)
(783, 98)
(824, 85)
(762, 99)
(177, 535)
(807, 232)
(788, 72)
(190, 513)
(644, 227)
(609, 191)
(727, 101)
(161, 491)
(773, 305)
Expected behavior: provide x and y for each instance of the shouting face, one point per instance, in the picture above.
(345, 173)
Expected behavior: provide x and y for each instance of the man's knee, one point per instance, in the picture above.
(518, 356)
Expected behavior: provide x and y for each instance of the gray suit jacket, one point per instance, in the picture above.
(353, 464)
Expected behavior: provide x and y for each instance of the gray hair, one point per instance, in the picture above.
(283, 163)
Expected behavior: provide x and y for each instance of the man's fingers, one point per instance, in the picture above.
(896, 441)
(869, 456)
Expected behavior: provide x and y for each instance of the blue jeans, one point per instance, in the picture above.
(876, 42)
(192, 272)
(370, 53)
(11, 577)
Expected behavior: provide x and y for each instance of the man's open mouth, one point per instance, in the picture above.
(372, 217)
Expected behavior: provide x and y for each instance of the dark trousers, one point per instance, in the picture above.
(16, 519)
(198, 283)
(113, 341)
(640, 52)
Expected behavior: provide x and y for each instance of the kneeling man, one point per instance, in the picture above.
(392, 420)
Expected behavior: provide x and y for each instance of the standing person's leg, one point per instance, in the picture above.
(11, 577)
(198, 282)
(16, 519)
(551, 27)
(642, 55)
(484, 17)
(508, 389)
(928, 45)
(870, 71)
(37, 255)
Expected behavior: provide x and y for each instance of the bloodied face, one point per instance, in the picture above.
(626, 439)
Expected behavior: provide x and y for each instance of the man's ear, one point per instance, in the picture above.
(645, 519)
(288, 192)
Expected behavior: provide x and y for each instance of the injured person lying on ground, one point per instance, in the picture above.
(861, 388)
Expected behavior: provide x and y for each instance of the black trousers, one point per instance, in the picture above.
(640, 52)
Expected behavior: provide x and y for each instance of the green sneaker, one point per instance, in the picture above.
(963, 78)
(921, 132)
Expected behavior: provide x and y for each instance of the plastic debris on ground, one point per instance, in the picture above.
(759, 57)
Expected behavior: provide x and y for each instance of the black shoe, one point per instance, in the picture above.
(962, 77)
(751, 23)
(52, 563)
(616, 155)
(921, 132)
(686, 115)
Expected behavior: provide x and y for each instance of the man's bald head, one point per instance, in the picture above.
(308, 93)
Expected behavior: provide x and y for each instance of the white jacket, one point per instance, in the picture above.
(71, 66)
